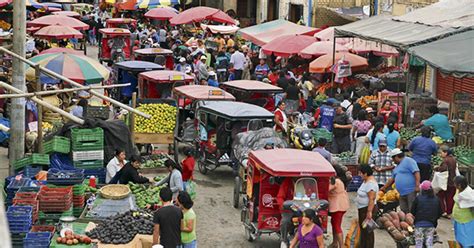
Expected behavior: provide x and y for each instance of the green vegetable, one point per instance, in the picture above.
(408, 134)
(146, 196)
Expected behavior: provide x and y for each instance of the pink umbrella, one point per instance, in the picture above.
(58, 32)
(327, 34)
(160, 14)
(198, 14)
(67, 13)
(287, 45)
(61, 50)
(321, 48)
(58, 20)
(5, 2)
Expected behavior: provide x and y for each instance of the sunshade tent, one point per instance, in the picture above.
(220, 29)
(58, 32)
(137, 65)
(78, 68)
(360, 46)
(453, 54)
(198, 14)
(320, 48)
(166, 76)
(236, 110)
(149, 4)
(152, 51)
(61, 50)
(203, 92)
(324, 63)
(29, 3)
(327, 34)
(58, 20)
(161, 14)
(288, 45)
(67, 13)
(252, 86)
(292, 163)
(263, 33)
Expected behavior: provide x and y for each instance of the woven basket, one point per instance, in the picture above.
(115, 191)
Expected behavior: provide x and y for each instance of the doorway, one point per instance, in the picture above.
(272, 10)
(295, 13)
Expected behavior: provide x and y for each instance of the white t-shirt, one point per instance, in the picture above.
(112, 168)
(238, 60)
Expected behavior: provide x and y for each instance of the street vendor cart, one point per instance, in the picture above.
(114, 45)
(254, 92)
(218, 124)
(160, 56)
(159, 84)
(126, 23)
(309, 173)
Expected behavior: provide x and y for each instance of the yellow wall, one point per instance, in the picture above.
(401, 7)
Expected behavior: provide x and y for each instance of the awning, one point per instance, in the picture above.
(263, 33)
(454, 54)
(220, 29)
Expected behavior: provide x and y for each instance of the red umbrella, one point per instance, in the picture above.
(58, 20)
(32, 30)
(198, 14)
(324, 63)
(321, 48)
(5, 2)
(67, 13)
(287, 45)
(58, 32)
(61, 50)
(160, 14)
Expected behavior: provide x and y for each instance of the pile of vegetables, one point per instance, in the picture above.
(321, 97)
(155, 161)
(390, 196)
(408, 133)
(122, 228)
(146, 196)
(397, 224)
(464, 154)
(73, 239)
(345, 158)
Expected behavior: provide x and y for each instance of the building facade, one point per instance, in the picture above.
(401, 7)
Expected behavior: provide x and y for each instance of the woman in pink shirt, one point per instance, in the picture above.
(338, 205)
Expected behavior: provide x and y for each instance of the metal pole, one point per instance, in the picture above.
(17, 138)
(132, 117)
(51, 92)
(39, 140)
(333, 62)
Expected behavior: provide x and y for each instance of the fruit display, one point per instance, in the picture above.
(155, 161)
(389, 196)
(365, 100)
(408, 133)
(464, 154)
(146, 196)
(321, 98)
(163, 118)
(122, 228)
(73, 239)
(398, 224)
(436, 160)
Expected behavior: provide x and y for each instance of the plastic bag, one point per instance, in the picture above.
(440, 181)
(364, 155)
(370, 225)
(191, 188)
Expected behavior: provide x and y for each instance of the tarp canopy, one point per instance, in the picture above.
(395, 33)
(236, 110)
(454, 54)
(263, 33)
(203, 92)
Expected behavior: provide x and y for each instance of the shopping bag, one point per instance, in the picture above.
(364, 155)
(440, 181)
(191, 188)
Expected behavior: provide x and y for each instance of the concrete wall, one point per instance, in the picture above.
(401, 7)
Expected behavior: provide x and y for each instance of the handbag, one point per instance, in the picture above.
(457, 170)
(440, 181)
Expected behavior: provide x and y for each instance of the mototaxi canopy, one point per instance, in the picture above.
(203, 92)
(252, 86)
(235, 110)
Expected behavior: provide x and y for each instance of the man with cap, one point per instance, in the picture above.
(439, 123)
(212, 81)
(381, 163)
(203, 74)
(182, 66)
(406, 177)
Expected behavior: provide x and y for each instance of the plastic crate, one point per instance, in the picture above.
(100, 112)
(88, 146)
(31, 170)
(15, 185)
(88, 155)
(89, 164)
(50, 206)
(65, 177)
(353, 169)
(77, 211)
(64, 192)
(33, 159)
(57, 144)
(83, 135)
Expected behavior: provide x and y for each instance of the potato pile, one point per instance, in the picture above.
(397, 224)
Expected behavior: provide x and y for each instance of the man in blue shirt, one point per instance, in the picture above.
(262, 70)
(439, 123)
(422, 147)
(406, 177)
(326, 114)
(322, 150)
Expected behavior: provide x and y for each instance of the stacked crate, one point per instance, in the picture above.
(35, 159)
(57, 144)
(37, 240)
(78, 198)
(14, 185)
(87, 148)
(28, 196)
(19, 222)
(55, 203)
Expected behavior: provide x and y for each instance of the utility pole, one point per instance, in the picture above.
(17, 131)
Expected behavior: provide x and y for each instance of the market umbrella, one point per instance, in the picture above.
(52, 5)
(79, 68)
(364, 46)
(58, 20)
(4, 3)
(198, 14)
(160, 14)
(29, 3)
(61, 50)
(324, 63)
(149, 4)
(58, 32)
(32, 30)
(320, 48)
(67, 13)
(327, 34)
(287, 45)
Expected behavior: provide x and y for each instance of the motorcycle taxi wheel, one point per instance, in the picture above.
(202, 164)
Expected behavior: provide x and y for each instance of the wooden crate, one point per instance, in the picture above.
(154, 138)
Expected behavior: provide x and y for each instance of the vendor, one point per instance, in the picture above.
(174, 179)
(385, 110)
(129, 173)
(115, 164)
(281, 121)
(439, 123)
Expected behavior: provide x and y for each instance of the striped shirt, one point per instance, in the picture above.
(381, 159)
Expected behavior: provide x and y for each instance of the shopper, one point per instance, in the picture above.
(338, 205)
(310, 234)
(238, 61)
(262, 70)
(115, 164)
(188, 225)
(427, 210)
(360, 128)
(381, 163)
(167, 229)
(366, 204)
(422, 148)
(129, 173)
(463, 215)
(375, 135)
(281, 121)
(406, 177)
(447, 196)
(188, 166)
(292, 97)
(321, 149)
(174, 178)
(392, 135)
(385, 110)
(342, 131)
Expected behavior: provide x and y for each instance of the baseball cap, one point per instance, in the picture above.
(182, 60)
(395, 152)
(425, 185)
(212, 73)
(203, 57)
(383, 142)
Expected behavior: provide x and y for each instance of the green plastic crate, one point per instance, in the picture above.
(89, 164)
(88, 146)
(77, 211)
(82, 135)
(33, 159)
(57, 144)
